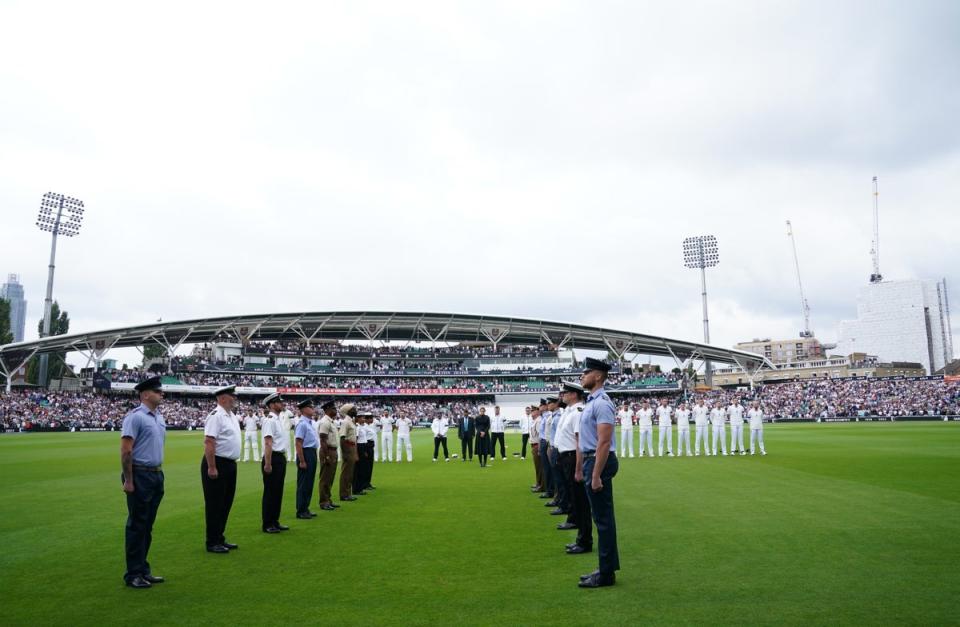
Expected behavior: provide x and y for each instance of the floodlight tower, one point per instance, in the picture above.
(701, 252)
(59, 215)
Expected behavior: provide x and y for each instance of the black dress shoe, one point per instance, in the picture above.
(230, 545)
(283, 527)
(334, 505)
(577, 550)
(558, 512)
(217, 548)
(304, 516)
(584, 577)
(546, 496)
(151, 579)
(271, 530)
(312, 514)
(566, 525)
(550, 504)
(370, 487)
(328, 508)
(360, 493)
(138, 582)
(598, 581)
(349, 498)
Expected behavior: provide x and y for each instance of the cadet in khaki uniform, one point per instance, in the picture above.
(329, 439)
(348, 446)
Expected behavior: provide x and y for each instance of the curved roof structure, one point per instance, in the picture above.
(374, 326)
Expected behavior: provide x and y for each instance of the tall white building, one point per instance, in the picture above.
(901, 321)
(12, 291)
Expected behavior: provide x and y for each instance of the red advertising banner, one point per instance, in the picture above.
(381, 391)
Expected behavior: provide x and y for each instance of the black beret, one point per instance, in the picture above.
(329, 403)
(153, 383)
(595, 364)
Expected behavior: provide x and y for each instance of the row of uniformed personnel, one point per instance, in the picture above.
(141, 454)
(574, 464)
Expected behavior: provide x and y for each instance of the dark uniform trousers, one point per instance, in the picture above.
(364, 466)
(523, 444)
(483, 448)
(601, 506)
(547, 485)
(371, 454)
(559, 485)
(579, 505)
(328, 470)
(306, 477)
(437, 441)
(537, 467)
(349, 453)
(498, 437)
(142, 508)
(218, 497)
(273, 490)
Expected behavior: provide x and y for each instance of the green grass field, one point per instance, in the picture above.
(839, 524)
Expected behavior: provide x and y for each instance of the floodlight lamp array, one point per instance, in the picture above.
(700, 252)
(69, 209)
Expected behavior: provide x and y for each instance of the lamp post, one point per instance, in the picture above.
(59, 215)
(701, 252)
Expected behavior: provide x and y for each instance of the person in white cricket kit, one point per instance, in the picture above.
(374, 428)
(645, 425)
(735, 412)
(717, 416)
(626, 430)
(666, 427)
(386, 436)
(683, 429)
(756, 427)
(403, 438)
(251, 438)
(701, 415)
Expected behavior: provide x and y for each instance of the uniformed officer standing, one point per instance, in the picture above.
(363, 451)
(372, 435)
(307, 442)
(597, 465)
(544, 450)
(553, 456)
(274, 465)
(568, 441)
(141, 458)
(329, 440)
(348, 448)
(218, 469)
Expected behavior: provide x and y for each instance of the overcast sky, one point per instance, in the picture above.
(536, 159)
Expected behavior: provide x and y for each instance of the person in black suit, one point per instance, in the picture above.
(466, 431)
(483, 437)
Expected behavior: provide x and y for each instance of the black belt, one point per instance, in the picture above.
(567, 453)
(148, 468)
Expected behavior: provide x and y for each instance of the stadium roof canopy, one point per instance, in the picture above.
(373, 326)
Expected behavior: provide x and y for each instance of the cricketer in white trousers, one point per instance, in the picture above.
(666, 433)
(386, 443)
(251, 443)
(626, 440)
(719, 434)
(683, 429)
(646, 435)
(756, 429)
(757, 434)
(403, 443)
(736, 439)
(701, 438)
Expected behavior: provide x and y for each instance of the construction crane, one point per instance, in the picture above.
(876, 277)
(804, 307)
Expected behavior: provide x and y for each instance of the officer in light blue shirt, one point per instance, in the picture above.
(597, 465)
(307, 442)
(141, 457)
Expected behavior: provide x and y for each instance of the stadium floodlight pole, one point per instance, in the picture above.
(59, 215)
(701, 252)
